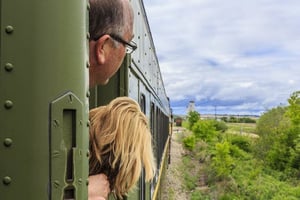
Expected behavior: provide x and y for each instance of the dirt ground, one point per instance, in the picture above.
(172, 184)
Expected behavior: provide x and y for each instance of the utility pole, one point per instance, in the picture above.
(215, 112)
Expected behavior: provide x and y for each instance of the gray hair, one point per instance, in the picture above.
(107, 17)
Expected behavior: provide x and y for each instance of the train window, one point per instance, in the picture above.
(143, 103)
(154, 138)
(152, 118)
(142, 179)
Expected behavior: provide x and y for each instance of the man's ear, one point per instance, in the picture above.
(101, 49)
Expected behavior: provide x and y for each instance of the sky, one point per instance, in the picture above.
(228, 56)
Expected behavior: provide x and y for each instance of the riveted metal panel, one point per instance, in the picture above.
(145, 60)
(133, 85)
(117, 86)
(68, 151)
(43, 56)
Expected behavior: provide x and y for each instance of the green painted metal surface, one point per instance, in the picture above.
(67, 148)
(43, 58)
(117, 86)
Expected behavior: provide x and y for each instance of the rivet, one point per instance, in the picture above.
(55, 154)
(87, 64)
(9, 67)
(56, 123)
(70, 98)
(8, 104)
(88, 123)
(88, 6)
(6, 180)
(87, 182)
(88, 94)
(88, 35)
(88, 153)
(9, 29)
(56, 184)
(7, 142)
(79, 181)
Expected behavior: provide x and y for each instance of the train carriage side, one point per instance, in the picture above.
(140, 78)
(44, 96)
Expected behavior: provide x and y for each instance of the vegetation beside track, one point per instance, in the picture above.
(243, 160)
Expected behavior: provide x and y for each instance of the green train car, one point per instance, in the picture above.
(45, 99)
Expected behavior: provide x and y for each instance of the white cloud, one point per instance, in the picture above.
(243, 53)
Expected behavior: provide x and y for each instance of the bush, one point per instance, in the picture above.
(220, 126)
(222, 162)
(189, 142)
(205, 130)
(242, 142)
(238, 153)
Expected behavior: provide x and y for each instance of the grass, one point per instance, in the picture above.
(246, 127)
(241, 128)
(171, 193)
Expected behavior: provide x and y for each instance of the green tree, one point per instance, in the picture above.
(279, 131)
(294, 108)
(270, 128)
(193, 117)
(293, 138)
(268, 124)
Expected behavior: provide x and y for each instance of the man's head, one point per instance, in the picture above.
(111, 30)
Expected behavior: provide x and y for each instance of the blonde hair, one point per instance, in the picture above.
(120, 144)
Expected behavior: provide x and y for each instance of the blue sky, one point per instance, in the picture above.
(238, 56)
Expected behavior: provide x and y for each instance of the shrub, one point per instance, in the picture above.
(220, 126)
(238, 153)
(222, 162)
(242, 142)
(205, 130)
(189, 142)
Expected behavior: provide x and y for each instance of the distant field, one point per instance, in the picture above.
(241, 128)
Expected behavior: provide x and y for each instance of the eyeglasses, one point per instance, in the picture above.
(130, 46)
